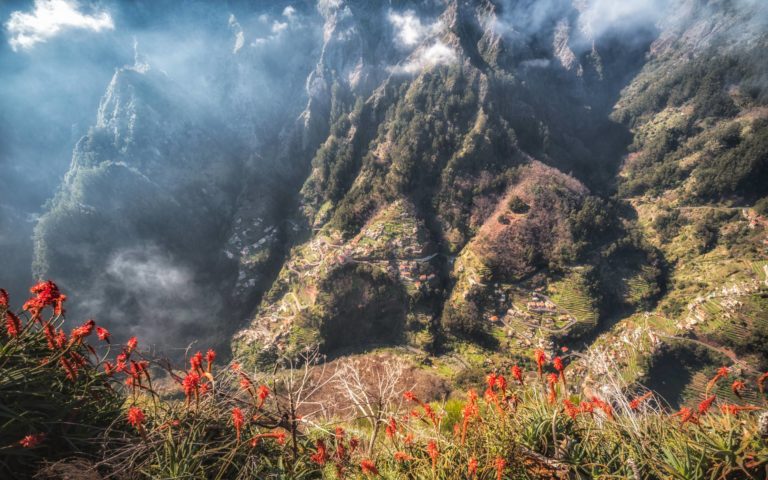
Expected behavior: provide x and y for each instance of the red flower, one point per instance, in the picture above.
(541, 359)
(368, 467)
(196, 362)
(391, 429)
(238, 420)
(61, 339)
(737, 387)
(210, 356)
(103, 334)
(82, 331)
(109, 369)
(131, 345)
(635, 403)
(262, 393)
(402, 457)
(470, 410)
(552, 381)
(410, 396)
(472, 467)
(433, 452)
(706, 404)
(71, 370)
(735, 409)
(12, 324)
(278, 436)
(191, 385)
(501, 383)
(517, 374)
(245, 384)
(31, 441)
(558, 364)
(3, 298)
(46, 294)
(136, 417)
(50, 335)
(321, 455)
(491, 380)
(722, 372)
(606, 408)
(499, 464)
(686, 415)
(570, 409)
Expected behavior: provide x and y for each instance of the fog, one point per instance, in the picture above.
(226, 61)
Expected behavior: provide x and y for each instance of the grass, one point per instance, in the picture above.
(304, 419)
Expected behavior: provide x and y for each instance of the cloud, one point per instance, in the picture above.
(50, 18)
(409, 31)
(436, 54)
(278, 27)
(289, 12)
(600, 16)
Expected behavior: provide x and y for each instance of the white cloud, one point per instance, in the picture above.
(436, 54)
(48, 19)
(409, 29)
(599, 16)
(278, 27)
(289, 12)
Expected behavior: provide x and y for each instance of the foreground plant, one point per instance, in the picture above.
(219, 422)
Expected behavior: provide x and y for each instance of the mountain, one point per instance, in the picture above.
(463, 182)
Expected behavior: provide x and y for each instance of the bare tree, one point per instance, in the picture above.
(373, 388)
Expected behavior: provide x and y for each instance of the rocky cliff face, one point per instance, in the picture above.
(473, 178)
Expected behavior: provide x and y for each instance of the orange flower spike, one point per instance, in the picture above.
(82, 331)
(103, 334)
(635, 403)
(191, 385)
(606, 408)
(686, 415)
(238, 420)
(491, 380)
(210, 356)
(31, 441)
(761, 382)
(391, 429)
(196, 362)
(402, 457)
(499, 463)
(136, 418)
(433, 453)
(368, 467)
(705, 405)
(501, 384)
(737, 387)
(722, 372)
(131, 345)
(321, 454)
(541, 359)
(472, 467)
(262, 393)
(552, 381)
(517, 374)
(570, 409)
(12, 324)
(411, 397)
(469, 411)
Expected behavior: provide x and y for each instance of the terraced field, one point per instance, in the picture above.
(572, 295)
